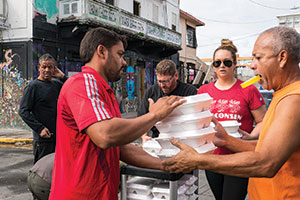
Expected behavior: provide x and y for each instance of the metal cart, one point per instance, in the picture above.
(150, 173)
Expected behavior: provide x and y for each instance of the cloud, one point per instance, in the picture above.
(244, 21)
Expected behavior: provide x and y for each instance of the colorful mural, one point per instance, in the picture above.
(130, 102)
(12, 85)
(48, 8)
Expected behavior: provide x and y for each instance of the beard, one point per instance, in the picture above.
(112, 73)
(114, 76)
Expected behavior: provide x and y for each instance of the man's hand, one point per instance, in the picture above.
(164, 106)
(145, 138)
(221, 135)
(247, 136)
(57, 73)
(183, 161)
(45, 133)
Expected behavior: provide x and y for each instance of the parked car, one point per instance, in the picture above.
(267, 95)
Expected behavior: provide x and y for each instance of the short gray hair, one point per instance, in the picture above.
(46, 57)
(285, 38)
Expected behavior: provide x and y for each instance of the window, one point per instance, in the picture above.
(174, 21)
(296, 20)
(136, 8)
(66, 9)
(74, 7)
(155, 13)
(191, 37)
(111, 2)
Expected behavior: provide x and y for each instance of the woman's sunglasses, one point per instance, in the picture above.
(227, 63)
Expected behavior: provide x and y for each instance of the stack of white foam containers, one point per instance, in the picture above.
(140, 188)
(186, 189)
(190, 124)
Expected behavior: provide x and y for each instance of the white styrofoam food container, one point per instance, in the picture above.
(162, 191)
(191, 190)
(202, 131)
(186, 122)
(152, 147)
(168, 153)
(132, 196)
(188, 179)
(231, 127)
(140, 186)
(194, 104)
(194, 138)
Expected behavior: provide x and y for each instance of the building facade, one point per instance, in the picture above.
(192, 69)
(291, 20)
(29, 29)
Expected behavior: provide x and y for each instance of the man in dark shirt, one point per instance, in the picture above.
(167, 84)
(39, 103)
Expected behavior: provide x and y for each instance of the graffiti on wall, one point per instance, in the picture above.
(12, 85)
(48, 8)
(129, 103)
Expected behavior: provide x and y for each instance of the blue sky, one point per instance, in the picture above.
(238, 20)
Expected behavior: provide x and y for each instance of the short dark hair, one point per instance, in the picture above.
(46, 57)
(99, 36)
(166, 67)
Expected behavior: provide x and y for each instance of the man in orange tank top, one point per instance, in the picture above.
(272, 162)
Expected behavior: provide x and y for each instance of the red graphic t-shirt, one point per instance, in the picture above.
(235, 103)
(82, 170)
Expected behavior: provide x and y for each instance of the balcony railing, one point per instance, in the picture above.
(98, 11)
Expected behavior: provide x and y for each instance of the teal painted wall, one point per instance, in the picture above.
(47, 7)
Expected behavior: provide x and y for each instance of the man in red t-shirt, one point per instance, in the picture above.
(91, 136)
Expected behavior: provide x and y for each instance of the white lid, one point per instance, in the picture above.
(161, 188)
(237, 135)
(167, 153)
(152, 146)
(188, 117)
(132, 196)
(197, 98)
(185, 134)
(230, 123)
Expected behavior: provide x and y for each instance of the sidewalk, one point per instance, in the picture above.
(21, 136)
(12, 136)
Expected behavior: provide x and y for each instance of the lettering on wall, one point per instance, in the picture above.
(104, 13)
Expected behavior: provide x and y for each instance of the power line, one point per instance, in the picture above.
(276, 8)
(228, 22)
(241, 38)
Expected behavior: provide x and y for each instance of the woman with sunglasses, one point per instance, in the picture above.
(231, 102)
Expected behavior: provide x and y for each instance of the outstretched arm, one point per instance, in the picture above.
(136, 156)
(118, 131)
(279, 143)
(222, 139)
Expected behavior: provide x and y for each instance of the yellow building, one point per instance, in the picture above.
(192, 69)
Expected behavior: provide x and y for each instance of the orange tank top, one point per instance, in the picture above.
(286, 183)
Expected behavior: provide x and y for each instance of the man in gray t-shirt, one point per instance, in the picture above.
(40, 177)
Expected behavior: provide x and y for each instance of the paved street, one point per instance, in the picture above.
(16, 160)
(14, 165)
